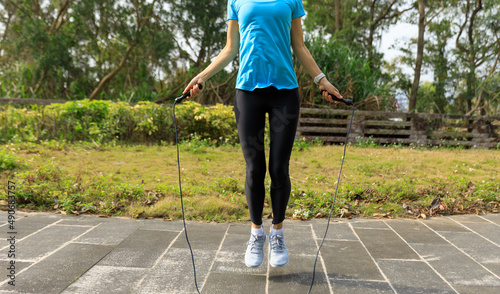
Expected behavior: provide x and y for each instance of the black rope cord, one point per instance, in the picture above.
(180, 191)
(333, 203)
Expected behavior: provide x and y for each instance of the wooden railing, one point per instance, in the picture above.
(330, 125)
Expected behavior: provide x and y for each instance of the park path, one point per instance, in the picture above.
(88, 254)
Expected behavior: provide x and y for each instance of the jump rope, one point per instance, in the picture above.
(184, 97)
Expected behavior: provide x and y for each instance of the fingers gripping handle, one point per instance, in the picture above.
(346, 101)
(179, 100)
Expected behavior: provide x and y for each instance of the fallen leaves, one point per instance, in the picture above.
(319, 215)
(381, 215)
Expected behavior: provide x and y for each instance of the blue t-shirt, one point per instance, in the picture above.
(265, 49)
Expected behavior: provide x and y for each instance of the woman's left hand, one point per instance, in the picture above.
(325, 85)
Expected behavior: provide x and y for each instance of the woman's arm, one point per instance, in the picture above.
(222, 60)
(306, 59)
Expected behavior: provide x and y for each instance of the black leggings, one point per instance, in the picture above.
(250, 109)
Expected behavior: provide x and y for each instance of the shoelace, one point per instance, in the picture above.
(277, 242)
(255, 245)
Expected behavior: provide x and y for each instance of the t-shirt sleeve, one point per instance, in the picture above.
(231, 12)
(298, 9)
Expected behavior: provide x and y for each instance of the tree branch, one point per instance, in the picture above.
(462, 27)
(56, 23)
(111, 75)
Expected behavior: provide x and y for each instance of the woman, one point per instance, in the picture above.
(266, 83)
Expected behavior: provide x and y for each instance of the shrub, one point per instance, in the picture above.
(105, 121)
(8, 161)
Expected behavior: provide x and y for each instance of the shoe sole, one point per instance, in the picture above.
(277, 265)
(253, 266)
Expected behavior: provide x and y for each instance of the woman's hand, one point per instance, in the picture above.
(325, 85)
(193, 87)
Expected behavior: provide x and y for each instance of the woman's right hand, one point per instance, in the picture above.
(193, 87)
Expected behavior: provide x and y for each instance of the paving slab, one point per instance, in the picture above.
(54, 274)
(297, 244)
(360, 286)
(112, 232)
(493, 267)
(224, 283)
(477, 289)
(456, 267)
(206, 236)
(107, 279)
(349, 260)
(174, 272)
(413, 277)
(38, 245)
(385, 244)
(442, 224)
(478, 248)
(336, 231)
(495, 218)
(369, 224)
(26, 224)
(161, 225)
(487, 230)
(138, 258)
(141, 249)
(296, 277)
(17, 266)
(468, 218)
(413, 231)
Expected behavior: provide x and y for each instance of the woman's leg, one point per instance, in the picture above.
(283, 119)
(250, 111)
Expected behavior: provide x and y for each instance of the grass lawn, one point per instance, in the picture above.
(141, 181)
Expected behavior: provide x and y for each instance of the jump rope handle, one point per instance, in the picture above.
(346, 101)
(185, 96)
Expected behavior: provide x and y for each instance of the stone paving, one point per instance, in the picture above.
(88, 254)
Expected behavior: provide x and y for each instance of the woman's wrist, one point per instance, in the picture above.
(318, 78)
(201, 77)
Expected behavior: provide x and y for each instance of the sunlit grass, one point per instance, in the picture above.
(142, 181)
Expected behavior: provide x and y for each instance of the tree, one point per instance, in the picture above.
(132, 31)
(437, 57)
(357, 22)
(476, 48)
(37, 36)
(423, 20)
(201, 29)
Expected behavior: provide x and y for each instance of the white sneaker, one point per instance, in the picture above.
(278, 255)
(255, 250)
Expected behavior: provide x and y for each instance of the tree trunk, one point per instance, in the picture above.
(471, 76)
(338, 25)
(440, 76)
(110, 75)
(420, 55)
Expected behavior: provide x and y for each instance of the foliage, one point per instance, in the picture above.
(102, 121)
(9, 161)
(348, 72)
(149, 50)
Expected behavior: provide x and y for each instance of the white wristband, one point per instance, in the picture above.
(318, 78)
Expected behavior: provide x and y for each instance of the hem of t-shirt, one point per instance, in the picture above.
(259, 87)
(232, 18)
(300, 15)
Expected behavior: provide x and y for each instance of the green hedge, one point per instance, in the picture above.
(104, 121)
